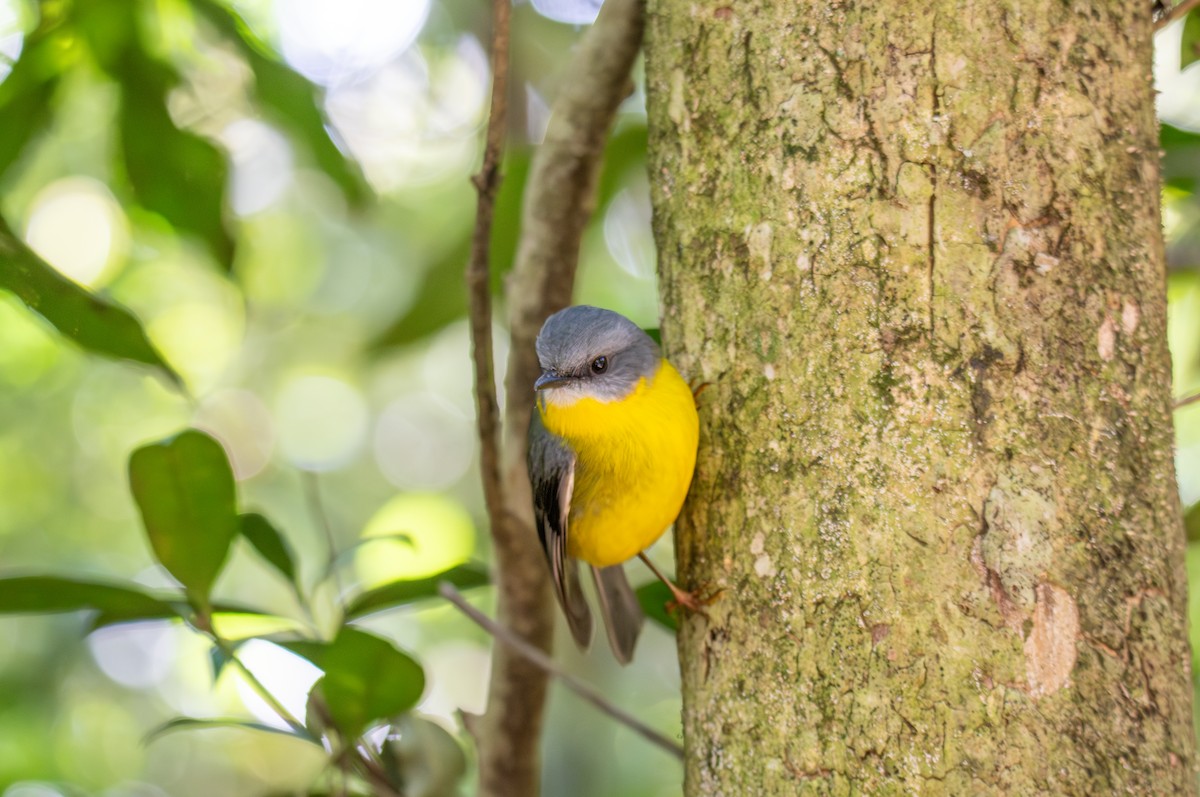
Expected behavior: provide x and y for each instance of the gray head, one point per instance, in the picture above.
(588, 352)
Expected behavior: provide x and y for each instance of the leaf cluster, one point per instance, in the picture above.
(159, 164)
(185, 491)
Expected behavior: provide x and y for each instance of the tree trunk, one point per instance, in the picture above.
(915, 249)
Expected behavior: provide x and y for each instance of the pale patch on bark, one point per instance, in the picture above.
(758, 239)
(763, 565)
(1106, 339)
(677, 111)
(1050, 649)
(1130, 316)
(1044, 262)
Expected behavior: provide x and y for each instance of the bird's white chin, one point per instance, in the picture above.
(565, 396)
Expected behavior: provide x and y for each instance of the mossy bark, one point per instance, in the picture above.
(915, 248)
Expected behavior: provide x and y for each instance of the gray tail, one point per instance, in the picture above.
(579, 616)
(622, 613)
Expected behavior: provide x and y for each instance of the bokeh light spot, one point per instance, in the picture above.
(341, 42)
(572, 12)
(30, 348)
(441, 531)
(137, 655)
(198, 338)
(458, 673)
(12, 40)
(287, 676)
(28, 789)
(236, 625)
(242, 423)
(98, 744)
(77, 227)
(262, 165)
(321, 420)
(422, 422)
(627, 231)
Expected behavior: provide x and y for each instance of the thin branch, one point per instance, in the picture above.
(316, 508)
(351, 756)
(479, 292)
(558, 201)
(547, 664)
(258, 686)
(1175, 13)
(1186, 400)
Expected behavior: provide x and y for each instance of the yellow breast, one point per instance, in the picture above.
(634, 463)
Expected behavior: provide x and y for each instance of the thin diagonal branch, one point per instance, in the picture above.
(1175, 13)
(545, 663)
(1187, 400)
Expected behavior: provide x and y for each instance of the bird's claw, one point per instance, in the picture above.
(691, 601)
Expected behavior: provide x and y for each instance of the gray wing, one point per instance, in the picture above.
(552, 477)
(620, 608)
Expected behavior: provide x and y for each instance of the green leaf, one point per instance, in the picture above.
(1171, 137)
(190, 724)
(94, 323)
(1189, 45)
(1191, 522)
(653, 598)
(399, 593)
(218, 658)
(308, 649)
(291, 99)
(35, 594)
(26, 95)
(176, 607)
(366, 678)
(269, 543)
(173, 172)
(242, 625)
(624, 151)
(185, 491)
(425, 757)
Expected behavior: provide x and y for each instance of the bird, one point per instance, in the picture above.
(611, 451)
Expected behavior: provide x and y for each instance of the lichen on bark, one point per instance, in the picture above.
(916, 251)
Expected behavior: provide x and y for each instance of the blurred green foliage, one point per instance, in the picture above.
(283, 247)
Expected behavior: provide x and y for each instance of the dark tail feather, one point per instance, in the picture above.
(622, 613)
(579, 616)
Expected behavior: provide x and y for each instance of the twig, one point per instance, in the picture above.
(479, 293)
(1186, 400)
(316, 507)
(547, 664)
(1175, 13)
(258, 686)
(559, 198)
(356, 759)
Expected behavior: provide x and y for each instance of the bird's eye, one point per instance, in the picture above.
(599, 365)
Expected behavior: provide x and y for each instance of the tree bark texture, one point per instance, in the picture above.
(915, 248)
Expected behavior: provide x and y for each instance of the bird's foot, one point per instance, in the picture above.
(692, 601)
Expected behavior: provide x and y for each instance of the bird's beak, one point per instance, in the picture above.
(549, 380)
